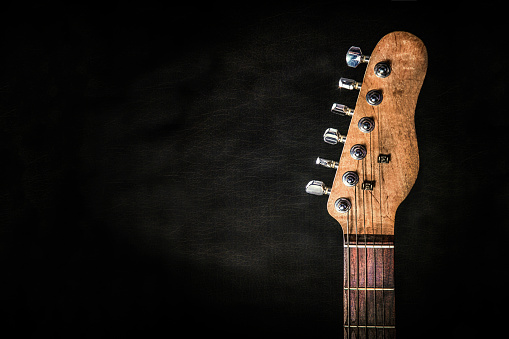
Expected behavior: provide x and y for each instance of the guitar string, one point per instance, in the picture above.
(381, 221)
(362, 196)
(357, 260)
(373, 230)
(356, 305)
(375, 271)
(366, 268)
(367, 177)
(348, 274)
(365, 258)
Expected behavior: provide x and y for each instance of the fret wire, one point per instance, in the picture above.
(353, 291)
(370, 326)
(370, 246)
(369, 288)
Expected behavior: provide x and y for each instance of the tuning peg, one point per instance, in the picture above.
(327, 163)
(332, 136)
(349, 84)
(317, 188)
(341, 109)
(354, 57)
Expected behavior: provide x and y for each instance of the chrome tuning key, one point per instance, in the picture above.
(341, 109)
(332, 136)
(317, 188)
(349, 84)
(327, 163)
(374, 97)
(383, 69)
(342, 205)
(358, 152)
(350, 178)
(354, 57)
(366, 124)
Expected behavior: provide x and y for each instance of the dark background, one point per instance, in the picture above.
(154, 162)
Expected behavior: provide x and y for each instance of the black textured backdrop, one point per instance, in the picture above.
(154, 163)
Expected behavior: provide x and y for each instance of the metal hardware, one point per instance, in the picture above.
(368, 246)
(354, 57)
(368, 185)
(374, 97)
(368, 288)
(366, 124)
(349, 84)
(358, 152)
(327, 163)
(369, 326)
(382, 69)
(341, 109)
(317, 188)
(384, 158)
(350, 178)
(342, 205)
(332, 136)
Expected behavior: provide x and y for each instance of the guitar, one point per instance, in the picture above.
(378, 166)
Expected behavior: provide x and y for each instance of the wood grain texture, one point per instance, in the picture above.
(373, 212)
(369, 289)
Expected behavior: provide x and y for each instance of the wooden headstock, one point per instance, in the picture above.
(388, 169)
(382, 185)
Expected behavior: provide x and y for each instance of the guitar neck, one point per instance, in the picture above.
(378, 166)
(368, 299)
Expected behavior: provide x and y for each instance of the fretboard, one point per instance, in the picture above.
(368, 298)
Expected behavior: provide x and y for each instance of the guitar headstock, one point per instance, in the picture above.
(379, 160)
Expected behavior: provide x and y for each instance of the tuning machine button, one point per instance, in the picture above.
(382, 69)
(358, 152)
(341, 109)
(349, 84)
(317, 188)
(350, 178)
(332, 136)
(342, 205)
(327, 163)
(374, 97)
(366, 125)
(354, 57)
